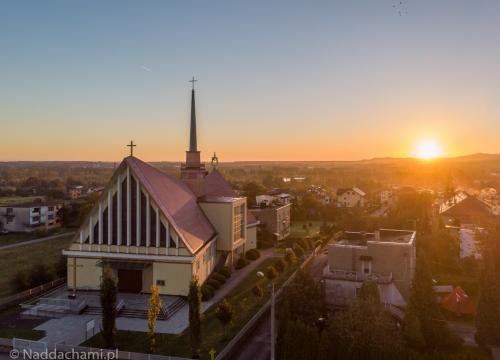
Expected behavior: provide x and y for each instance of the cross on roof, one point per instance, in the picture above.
(131, 145)
(192, 81)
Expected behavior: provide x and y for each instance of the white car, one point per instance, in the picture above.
(4, 232)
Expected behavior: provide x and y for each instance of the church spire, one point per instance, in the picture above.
(193, 146)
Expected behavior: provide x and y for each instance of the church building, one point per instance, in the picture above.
(154, 229)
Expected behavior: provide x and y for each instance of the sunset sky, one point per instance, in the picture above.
(278, 80)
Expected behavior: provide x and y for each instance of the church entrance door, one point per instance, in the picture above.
(129, 280)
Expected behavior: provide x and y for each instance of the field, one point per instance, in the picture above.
(23, 257)
(297, 229)
(19, 199)
(244, 304)
(13, 238)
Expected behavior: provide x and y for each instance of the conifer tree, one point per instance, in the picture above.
(108, 295)
(194, 299)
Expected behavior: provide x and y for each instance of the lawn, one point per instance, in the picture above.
(22, 334)
(19, 199)
(297, 229)
(23, 257)
(13, 238)
(244, 304)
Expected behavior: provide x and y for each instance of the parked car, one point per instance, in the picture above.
(4, 232)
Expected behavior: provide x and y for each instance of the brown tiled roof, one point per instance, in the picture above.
(217, 186)
(176, 201)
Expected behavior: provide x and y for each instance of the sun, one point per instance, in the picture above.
(428, 150)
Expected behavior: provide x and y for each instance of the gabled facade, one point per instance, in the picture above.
(154, 229)
(350, 197)
(148, 227)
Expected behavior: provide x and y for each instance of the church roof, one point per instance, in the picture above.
(217, 186)
(177, 202)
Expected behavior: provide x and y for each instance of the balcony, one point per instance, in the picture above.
(358, 276)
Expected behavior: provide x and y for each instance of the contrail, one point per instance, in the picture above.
(146, 68)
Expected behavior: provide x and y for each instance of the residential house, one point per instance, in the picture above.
(386, 257)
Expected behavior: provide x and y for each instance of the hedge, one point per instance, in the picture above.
(213, 283)
(225, 271)
(219, 277)
(241, 263)
(207, 292)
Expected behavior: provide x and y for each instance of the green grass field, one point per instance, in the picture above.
(244, 304)
(13, 238)
(19, 199)
(23, 257)
(297, 229)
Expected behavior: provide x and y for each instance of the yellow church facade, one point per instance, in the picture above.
(151, 228)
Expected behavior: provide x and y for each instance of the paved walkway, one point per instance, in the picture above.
(30, 242)
(237, 276)
(465, 331)
(71, 329)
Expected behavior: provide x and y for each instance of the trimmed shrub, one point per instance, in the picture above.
(207, 292)
(299, 251)
(257, 290)
(225, 271)
(213, 283)
(271, 272)
(220, 278)
(290, 256)
(241, 263)
(279, 264)
(252, 254)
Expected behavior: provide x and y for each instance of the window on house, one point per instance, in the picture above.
(160, 282)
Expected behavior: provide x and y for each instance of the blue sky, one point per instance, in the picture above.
(278, 80)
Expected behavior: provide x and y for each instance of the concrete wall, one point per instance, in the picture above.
(177, 277)
(205, 261)
(251, 242)
(88, 274)
(220, 215)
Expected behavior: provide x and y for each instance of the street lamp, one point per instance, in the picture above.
(260, 274)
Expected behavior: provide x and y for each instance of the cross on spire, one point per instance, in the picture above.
(131, 146)
(192, 81)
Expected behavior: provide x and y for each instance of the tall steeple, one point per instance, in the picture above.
(192, 135)
(193, 171)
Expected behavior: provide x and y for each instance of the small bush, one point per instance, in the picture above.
(207, 292)
(257, 290)
(299, 251)
(225, 271)
(20, 282)
(318, 244)
(213, 283)
(241, 263)
(290, 256)
(250, 255)
(220, 278)
(279, 265)
(271, 272)
(40, 274)
(42, 232)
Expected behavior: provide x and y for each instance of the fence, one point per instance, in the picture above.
(233, 344)
(28, 294)
(41, 347)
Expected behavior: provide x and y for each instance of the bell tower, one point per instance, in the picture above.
(193, 171)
